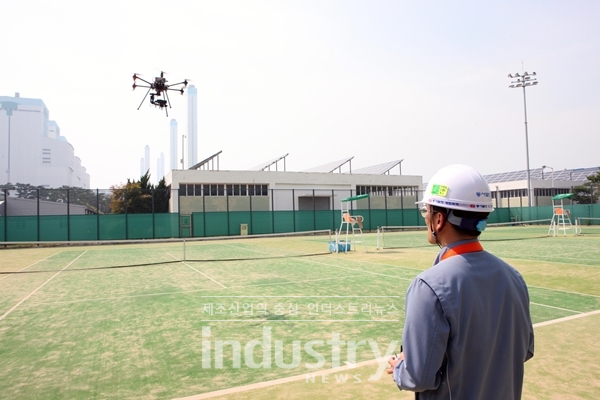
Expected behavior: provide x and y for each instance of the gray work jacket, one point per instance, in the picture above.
(468, 330)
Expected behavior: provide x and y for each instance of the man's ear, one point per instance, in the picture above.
(439, 220)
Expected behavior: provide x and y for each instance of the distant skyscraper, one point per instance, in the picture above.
(160, 167)
(174, 148)
(32, 149)
(192, 126)
(146, 159)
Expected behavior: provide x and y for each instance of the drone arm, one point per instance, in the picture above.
(144, 99)
(184, 83)
(141, 79)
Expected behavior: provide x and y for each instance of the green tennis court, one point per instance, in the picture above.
(171, 319)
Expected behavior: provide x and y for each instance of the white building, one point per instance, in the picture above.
(32, 150)
(262, 189)
(173, 146)
(510, 188)
(192, 126)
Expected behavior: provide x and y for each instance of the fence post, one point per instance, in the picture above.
(69, 214)
(38, 213)
(272, 210)
(294, 208)
(153, 216)
(97, 214)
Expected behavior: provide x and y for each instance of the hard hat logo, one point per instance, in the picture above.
(439, 190)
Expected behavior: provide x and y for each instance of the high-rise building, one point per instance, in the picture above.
(192, 125)
(146, 159)
(160, 167)
(174, 148)
(32, 150)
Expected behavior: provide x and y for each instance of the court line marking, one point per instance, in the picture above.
(303, 296)
(358, 270)
(564, 291)
(259, 321)
(296, 378)
(556, 308)
(201, 273)
(564, 319)
(277, 381)
(41, 286)
(39, 261)
(187, 291)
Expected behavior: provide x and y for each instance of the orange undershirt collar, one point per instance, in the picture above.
(471, 247)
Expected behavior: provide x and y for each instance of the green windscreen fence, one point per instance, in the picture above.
(167, 225)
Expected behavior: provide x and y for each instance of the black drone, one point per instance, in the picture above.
(160, 88)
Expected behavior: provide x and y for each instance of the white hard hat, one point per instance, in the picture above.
(459, 187)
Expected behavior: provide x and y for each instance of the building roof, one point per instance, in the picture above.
(263, 166)
(379, 169)
(538, 174)
(330, 167)
(23, 101)
(208, 163)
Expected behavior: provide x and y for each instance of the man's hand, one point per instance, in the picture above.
(393, 361)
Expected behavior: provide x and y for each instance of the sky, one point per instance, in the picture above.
(422, 81)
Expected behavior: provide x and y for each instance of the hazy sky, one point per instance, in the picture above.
(423, 81)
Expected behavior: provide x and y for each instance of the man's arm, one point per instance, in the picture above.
(424, 341)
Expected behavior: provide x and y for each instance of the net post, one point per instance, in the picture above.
(183, 249)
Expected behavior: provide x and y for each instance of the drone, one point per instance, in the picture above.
(160, 88)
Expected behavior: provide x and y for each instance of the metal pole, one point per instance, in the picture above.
(523, 80)
(527, 149)
(8, 169)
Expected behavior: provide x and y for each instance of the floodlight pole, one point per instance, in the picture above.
(524, 80)
(546, 166)
(182, 151)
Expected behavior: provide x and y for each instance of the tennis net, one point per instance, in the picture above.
(139, 253)
(397, 237)
(587, 226)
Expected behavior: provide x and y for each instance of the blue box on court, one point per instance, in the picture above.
(342, 246)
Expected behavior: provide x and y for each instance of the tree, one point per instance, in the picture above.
(96, 201)
(588, 192)
(136, 197)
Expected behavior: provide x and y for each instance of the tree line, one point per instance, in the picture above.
(134, 197)
(141, 196)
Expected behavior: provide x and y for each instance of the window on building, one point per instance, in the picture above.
(213, 189)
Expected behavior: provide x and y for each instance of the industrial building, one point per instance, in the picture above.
(32, 150)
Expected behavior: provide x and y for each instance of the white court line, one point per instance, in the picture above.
(39, 261)
(296, 378)
(360, 270)
(564, 291)
(277, 381)
(569, 318)
(184, 291)
(556, 308)
(201, 273)
(299, 320)
(41, 286)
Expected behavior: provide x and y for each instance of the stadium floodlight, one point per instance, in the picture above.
(547, 166)
(524, 80)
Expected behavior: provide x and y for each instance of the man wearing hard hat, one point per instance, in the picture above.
(468, 330)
